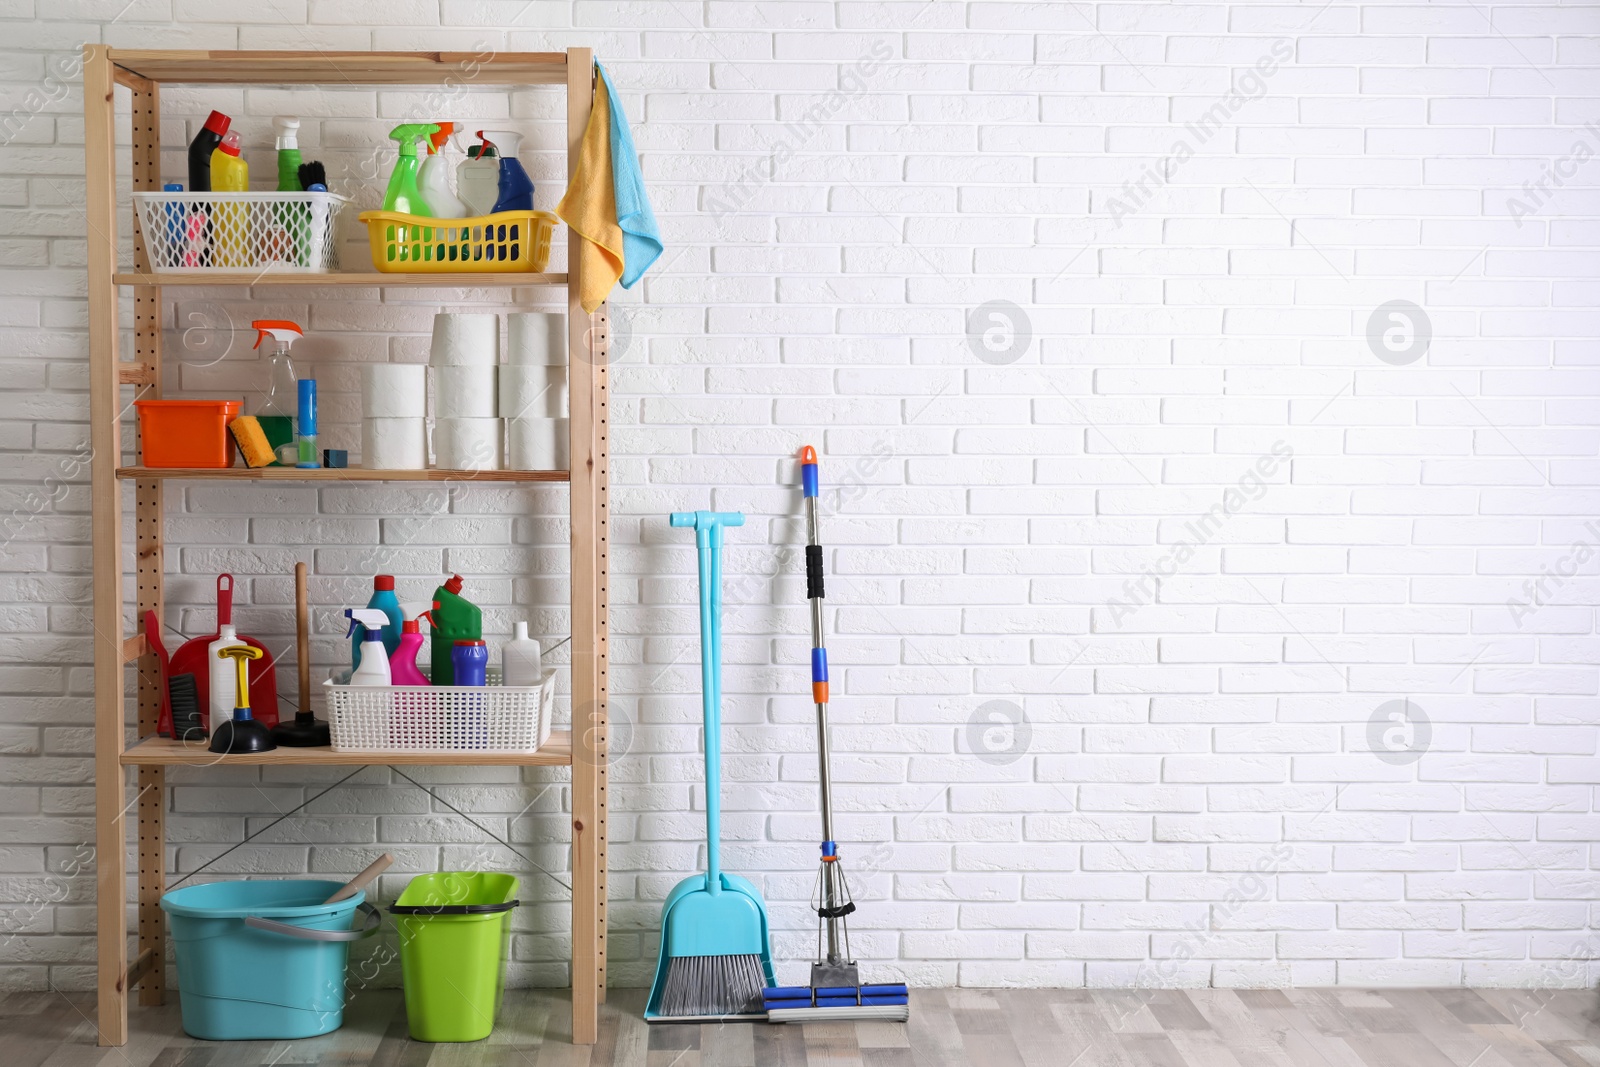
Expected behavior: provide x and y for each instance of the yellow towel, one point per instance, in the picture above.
(590, 210)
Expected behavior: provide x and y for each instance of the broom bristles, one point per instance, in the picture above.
(713, 985)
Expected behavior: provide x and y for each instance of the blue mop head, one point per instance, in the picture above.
(798, 1004)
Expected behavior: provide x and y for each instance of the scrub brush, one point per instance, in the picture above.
(313, 173)
(186, 722)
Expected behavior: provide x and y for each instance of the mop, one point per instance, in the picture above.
(835, 991)
(716, 952)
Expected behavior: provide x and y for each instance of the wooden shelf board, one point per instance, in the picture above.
(485, 67)
(338, 474)
(368, 280)
(165, 752)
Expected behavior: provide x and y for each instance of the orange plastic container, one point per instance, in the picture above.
(186, 433)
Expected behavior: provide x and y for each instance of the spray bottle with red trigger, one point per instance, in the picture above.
(403, 664)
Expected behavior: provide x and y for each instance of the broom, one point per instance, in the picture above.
(716, 953)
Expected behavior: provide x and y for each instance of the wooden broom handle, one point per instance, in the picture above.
(302, 635)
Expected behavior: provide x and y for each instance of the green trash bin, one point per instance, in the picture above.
(453, 929)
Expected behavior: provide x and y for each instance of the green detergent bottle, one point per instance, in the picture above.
(455, 618)
(287, 128)
(404, 194)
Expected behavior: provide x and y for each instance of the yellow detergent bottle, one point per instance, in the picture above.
(231, 174)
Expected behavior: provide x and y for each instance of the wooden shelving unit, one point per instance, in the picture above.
(143, 73)
(337, 474)
(165, 752)
(368, 279)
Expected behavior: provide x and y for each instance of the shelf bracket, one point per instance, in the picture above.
(140, 968)
(136, 374)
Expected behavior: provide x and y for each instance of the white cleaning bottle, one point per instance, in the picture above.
(373, 668)
(519, 660)
(478, 178)
(224, 676)
(434, 179)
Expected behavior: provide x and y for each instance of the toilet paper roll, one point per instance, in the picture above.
(464, 392)
(537, 445)
(465, 340)
(394, 391)
(394, 444)
(538, 338)
(533, 392)
(467, 444)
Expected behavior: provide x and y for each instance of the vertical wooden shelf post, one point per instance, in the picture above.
(150, 962)
(586, 387)
(105, 438)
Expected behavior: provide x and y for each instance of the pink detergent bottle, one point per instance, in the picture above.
(403, 665)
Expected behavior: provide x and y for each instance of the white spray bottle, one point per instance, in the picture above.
(434, 179)
(373, 667)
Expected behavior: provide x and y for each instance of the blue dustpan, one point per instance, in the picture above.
(711, 917)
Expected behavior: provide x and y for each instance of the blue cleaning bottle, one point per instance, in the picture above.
(516, 188)
(384, 600)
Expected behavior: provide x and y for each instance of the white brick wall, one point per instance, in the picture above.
(1180, 514)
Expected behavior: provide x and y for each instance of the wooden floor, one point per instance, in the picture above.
(982, 1027)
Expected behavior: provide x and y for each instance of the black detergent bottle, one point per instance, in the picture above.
(205, 142)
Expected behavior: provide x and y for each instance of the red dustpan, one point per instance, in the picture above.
(191, 659)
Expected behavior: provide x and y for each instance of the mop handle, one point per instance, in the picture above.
(819, 652)
(814, 592)
(708, 542)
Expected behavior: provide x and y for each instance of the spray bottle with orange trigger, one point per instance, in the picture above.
(434, 178)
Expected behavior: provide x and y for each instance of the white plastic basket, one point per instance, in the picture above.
(208, 232)
(441, 718)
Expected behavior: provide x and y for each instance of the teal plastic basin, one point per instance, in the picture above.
(239, 983)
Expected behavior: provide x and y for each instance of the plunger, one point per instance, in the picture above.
(305, 730)
(241, 733)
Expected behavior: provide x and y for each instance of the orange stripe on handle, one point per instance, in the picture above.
(819, 692)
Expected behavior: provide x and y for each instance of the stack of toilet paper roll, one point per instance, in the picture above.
(465, 359)
(394, 423)
(533, 392)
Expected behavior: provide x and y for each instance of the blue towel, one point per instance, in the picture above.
(641, 236)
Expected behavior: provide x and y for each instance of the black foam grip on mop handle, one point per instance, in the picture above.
(837, 913)
(814, 572)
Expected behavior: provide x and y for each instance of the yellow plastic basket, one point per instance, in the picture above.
(415, 244)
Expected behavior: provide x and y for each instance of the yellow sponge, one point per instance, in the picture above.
(252, 441)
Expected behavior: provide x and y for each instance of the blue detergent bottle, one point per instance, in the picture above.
(384, 600)
(516, 188)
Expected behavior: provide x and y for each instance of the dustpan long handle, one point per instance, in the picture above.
(709, 544)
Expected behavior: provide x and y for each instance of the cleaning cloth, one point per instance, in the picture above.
(641, 237)
(606, 204)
